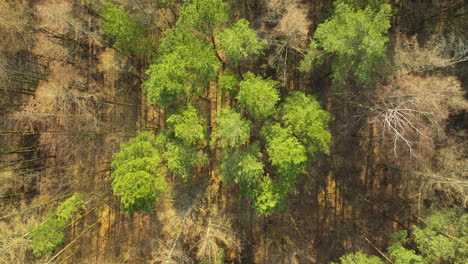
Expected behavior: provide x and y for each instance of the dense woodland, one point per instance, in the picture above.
(233, 131)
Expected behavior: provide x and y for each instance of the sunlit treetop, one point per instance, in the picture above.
(231, 129)
(308, 121)
(356, 37)
(258, 96)
(183, 71)
(137, 176)
(127, 33)
(285, 151)
(243, 166)
(188, 126)
(49, 234)
(228, 82)
(203, 15)
(240, 42)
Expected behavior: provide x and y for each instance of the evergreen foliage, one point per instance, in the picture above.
(356, 38)
(231, 129)
(240, 42)
(128, 35)
(138, 177)
(188, 126)
(258, 96)
(45, 237)
(303, 114)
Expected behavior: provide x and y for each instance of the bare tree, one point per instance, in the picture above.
(413, 109)
(289, 34)
(438, 52)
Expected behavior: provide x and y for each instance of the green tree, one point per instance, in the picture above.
(228, 82)
(442, 239)
(240, 42)
(266, 198)
(401, 255)
(181, 159)
(356, 38)
(308, 121)
(244, 167)
(49, 234)
(182, 71)
(188, 126)
(360, 258)
(284, 150)
(258, 96)
(187, 64)
(138, 176)
(128, 35)
(203, 15)
(166, 80)
(444, 236)
(288, 157)
(231, 129)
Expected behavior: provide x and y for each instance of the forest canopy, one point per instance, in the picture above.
(228, 132)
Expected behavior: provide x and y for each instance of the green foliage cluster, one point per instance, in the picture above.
(308, 121)
(187, 61)
(45, 237)
(240, 42)
(258, 96)
(182, 71)
(203, 15)
(357, 39)
(362, 4)
(138, 177)
(231, 130)
(244, 167)
(360, 258)
(182, 159)
(188, 126)
(128, 35)
(178, 78)
(228, 82)
(442, 239)
(303, 127)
